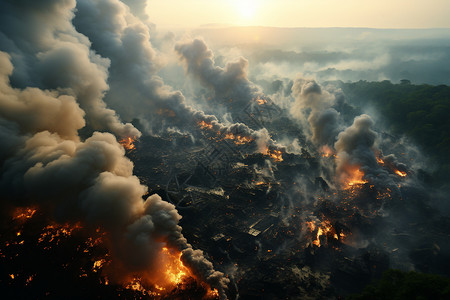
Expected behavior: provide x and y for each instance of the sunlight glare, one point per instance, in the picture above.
(246, 8)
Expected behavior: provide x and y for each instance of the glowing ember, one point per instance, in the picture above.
(54, 232)
(261, 101)
(323, 229)
(380, 161)
(175, 270)
(24, 213)
(98, 264)
(400, 173)
(356, 178)
(205, 125)
(326, 151)
(128, 143)
(238, 139)
(213, 293)
(276, 155)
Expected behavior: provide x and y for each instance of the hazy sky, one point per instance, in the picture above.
(302, 13)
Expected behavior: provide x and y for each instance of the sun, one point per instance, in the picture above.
(247, 8)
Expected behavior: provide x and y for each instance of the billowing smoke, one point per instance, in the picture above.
(323, 119)
(230, 85)
(49, 53)
(58, 86)
(115, 33)
(356, 154)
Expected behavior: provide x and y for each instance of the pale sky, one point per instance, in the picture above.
(302, 13)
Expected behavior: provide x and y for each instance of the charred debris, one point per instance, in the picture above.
(279, 229)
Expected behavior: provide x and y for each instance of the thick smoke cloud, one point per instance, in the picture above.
(35, 110)
(230, 85)
(323, 119)
(356, 149)
(44, 160)
(125, 40)
(50, 54)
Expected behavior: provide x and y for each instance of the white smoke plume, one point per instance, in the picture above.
(230, 85)
(315, 103)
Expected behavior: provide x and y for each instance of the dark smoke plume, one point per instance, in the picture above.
(59, 83)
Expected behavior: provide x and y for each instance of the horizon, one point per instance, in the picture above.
(290, 14)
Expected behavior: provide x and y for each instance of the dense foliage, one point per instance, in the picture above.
(398, 285)
(421, 112)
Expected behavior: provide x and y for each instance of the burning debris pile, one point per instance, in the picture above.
(68, 256)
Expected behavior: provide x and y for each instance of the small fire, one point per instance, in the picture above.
(323, 229)
(238, 139)
(24, 213)
(213, 293)
(205, 125)
(54, 232)
(401, 173)
(326, 151)
(261, 101)
(128, 143)
(355, 178)
(380, 161)
(276, 155)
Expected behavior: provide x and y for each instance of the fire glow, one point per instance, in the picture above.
(128, 143)
(355, 178)
(238, 139)
(205, 125)
(400, 173)
(326, 151)
(323, 229)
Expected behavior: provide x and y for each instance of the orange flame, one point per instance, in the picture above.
(128, 143)
(276, 155)
(24, 213)
(238, 139)
(261, 101)
(380, 161)
(205, 125)
(355, 177)
(326, 151)
(175, 270)
(212, 293)
(173, 274)
(324, 228)
(400, 173)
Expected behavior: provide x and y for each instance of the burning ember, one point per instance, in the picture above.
(353, 177)
(401, 173)
(67, 255)
(323, 232)
(326, 151)
(276, 155)
(238, 139)
(261, 101)
(24, 213)
(128, 143)
(205, 125)
(380, 161)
